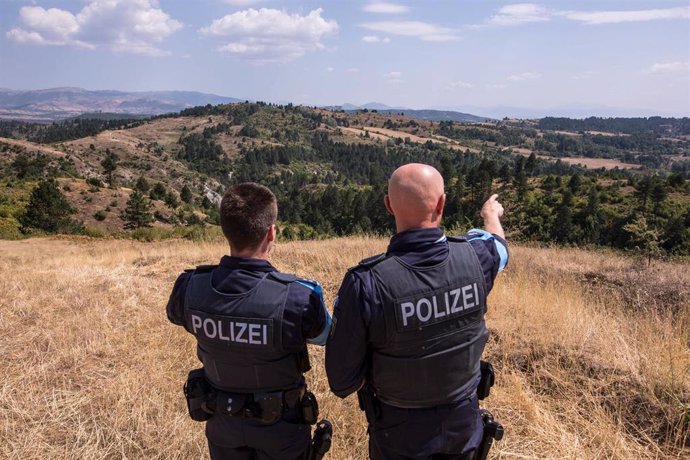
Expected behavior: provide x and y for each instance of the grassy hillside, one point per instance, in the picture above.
(562, 180)
(591, 349)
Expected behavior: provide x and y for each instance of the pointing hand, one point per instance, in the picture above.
(492, 208)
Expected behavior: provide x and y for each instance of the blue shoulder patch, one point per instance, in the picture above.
(481, 234)
(311, 284)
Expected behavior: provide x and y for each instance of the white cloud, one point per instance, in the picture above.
(271, 35)
(128, 26)
(393, 77)
(353, 70)
(385, 8)
(461, 84)
(242, 2)
(519, 13)
(421, 30)
(329, 69)
(669, 67)
(524, 76)
(375, 39)
(585, 75)
(614, 17)
(497, 86)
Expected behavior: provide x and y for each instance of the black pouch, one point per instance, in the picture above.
(487, 379)
(309, 408)
(197, 392)
(266, 408)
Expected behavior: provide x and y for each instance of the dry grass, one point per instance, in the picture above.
(592, 354)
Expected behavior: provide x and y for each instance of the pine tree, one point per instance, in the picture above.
(137, 213)
(109, 164)
(48, 210)
(186, 194)
(142, 184)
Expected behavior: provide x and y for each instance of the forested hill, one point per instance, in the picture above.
(578, 182)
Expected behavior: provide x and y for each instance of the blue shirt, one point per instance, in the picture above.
(304, 308)
(358, 321)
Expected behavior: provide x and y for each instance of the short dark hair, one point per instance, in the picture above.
(247, 211)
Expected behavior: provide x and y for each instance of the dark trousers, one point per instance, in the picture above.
(449, 432)
(234, 438)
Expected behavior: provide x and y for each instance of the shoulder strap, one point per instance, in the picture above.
(204, 269)
(370, 261)
(457, 239)
(283, 277)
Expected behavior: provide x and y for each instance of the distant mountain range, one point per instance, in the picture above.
(52, 104)
(425, 114)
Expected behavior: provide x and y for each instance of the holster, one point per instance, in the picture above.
(369, 403)
(487, 380)
(309, 408)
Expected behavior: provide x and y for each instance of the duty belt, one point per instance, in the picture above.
(264, 407)
(203, 401)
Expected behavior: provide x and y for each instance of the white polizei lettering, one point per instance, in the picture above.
(445, 296)
(476, 293)
(456, 296)
(407, 310)
(208, 321)
(467, 297)
(265, 329)
(255, 334)
(243, 328)
(220, 331)
(232, 331)
(424, 318)
(437, 314)
(196, 323)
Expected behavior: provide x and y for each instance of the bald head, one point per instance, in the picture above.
(415, 196)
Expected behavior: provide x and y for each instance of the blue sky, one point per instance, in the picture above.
(599, 57)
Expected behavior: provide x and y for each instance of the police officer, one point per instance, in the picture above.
(252, 324)
(408, 326)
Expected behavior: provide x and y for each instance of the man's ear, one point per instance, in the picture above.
(387, 202)
(271, 235)
(440, 204)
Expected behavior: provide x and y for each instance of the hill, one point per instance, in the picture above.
(592, 352)
(52, 104)
(329, 170)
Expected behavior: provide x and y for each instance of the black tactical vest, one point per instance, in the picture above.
(239, 336)
(435, 328)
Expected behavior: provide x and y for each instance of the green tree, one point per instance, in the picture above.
(142, 185)
(643, 237)
(49, 210)
(109, 165)
(171, 200)
(137, 213)
(158, 192)
(186, 194)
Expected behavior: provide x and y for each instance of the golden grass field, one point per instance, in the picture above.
(592, 351)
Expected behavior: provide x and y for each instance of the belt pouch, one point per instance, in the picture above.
(197, 391)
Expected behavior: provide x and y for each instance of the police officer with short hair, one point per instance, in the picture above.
(408, 326)
(251, 324)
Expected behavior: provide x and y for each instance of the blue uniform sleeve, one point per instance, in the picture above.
(316, 320)
(175, 306)
(492, 252)
(346, 349)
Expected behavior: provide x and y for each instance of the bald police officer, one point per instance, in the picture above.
(251, 324)
(408, 326)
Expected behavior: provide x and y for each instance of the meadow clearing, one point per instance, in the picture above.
(591, 349)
